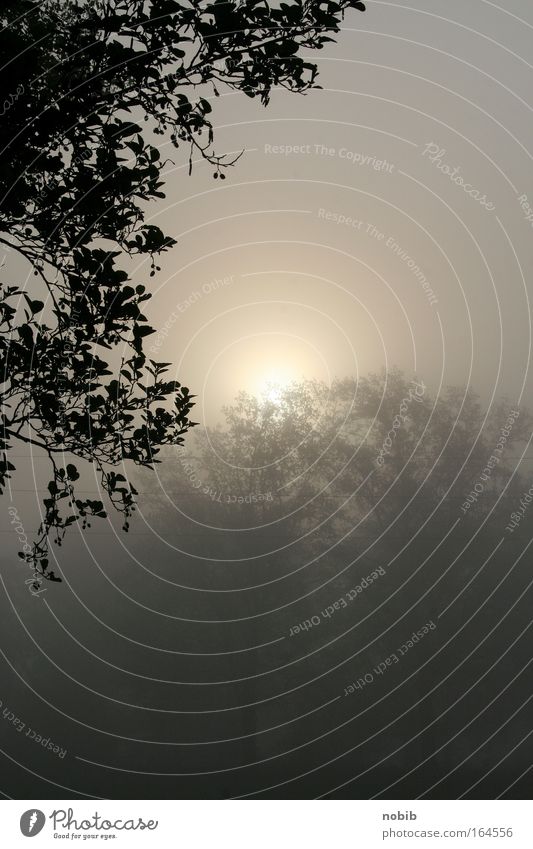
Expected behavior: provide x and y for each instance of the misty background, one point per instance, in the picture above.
(339, 288)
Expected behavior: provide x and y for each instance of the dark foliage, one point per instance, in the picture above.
(77, 167)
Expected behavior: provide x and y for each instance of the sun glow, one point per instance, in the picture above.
(273, 392)
(272, 385)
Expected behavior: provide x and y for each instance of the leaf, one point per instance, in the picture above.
(35, 306)
(25, 333)
(72, 472)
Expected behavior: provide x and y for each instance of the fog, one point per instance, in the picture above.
(253, 633)
(326, 590)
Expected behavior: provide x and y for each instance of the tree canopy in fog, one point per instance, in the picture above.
(78, 165)
(360, 464)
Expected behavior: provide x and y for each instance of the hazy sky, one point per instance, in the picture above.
(270, 282)
(378, 222)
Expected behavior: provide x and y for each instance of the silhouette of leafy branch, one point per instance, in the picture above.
(94, 82)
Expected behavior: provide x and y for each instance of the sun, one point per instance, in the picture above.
(273, 392)
(272, 385)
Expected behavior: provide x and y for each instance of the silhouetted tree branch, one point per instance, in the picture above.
(76, 170)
